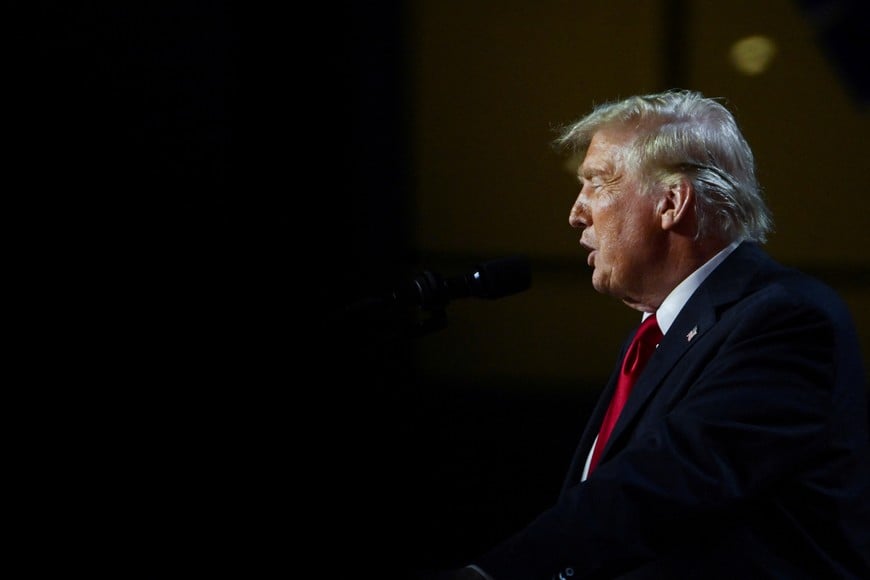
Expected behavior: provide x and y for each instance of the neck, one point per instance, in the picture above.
(681, 256)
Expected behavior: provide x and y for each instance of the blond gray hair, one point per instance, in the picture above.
(684, 134)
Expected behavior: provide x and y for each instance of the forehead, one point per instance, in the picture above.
(606, 150)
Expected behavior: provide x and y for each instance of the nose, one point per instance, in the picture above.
(579, 215)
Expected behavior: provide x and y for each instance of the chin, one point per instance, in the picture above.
(600, 285)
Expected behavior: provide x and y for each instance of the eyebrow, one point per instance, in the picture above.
(586, 172)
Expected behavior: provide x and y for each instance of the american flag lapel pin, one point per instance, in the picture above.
(692, 334)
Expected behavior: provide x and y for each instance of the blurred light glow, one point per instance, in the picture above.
(753, 55)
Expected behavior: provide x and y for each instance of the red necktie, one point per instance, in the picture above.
(641, 348)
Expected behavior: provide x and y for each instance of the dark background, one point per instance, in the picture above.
(217, 182)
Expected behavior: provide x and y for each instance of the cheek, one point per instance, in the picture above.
(613, 237)
(622, 247)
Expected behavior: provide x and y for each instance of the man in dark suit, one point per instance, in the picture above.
(741, 450)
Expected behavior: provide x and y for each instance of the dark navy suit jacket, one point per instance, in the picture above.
(742, 451)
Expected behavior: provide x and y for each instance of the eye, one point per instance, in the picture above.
(594, 184)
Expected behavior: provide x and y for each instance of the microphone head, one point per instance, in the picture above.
(489, 280)
(501, 277)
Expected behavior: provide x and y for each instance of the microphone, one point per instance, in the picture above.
(431, 292)
(488, 280)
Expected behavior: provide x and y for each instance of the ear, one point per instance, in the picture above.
(677, 203)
